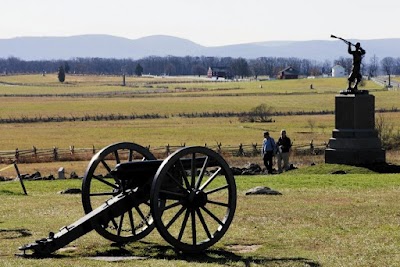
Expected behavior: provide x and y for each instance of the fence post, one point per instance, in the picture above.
(255, 151)
(16, 154)
(34, 150)
(93, 150)
(55, 153)
(167, 150)
(219, 147)
(241, 151)
(312, 147)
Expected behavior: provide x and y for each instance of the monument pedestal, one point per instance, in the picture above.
(354, 140)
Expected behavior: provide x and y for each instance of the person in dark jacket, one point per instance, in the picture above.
(284, 144)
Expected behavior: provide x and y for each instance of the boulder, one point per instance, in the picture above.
(262, 190)
(71, 191)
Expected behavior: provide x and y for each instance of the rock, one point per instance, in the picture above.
(339, 172)
(35, 175)
(73, 175)
(262, 190)
(236, 170)
(71, 191)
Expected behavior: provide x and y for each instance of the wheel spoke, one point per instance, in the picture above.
(177, 182)
(142, 216)
(203, 222)
(175, 217)
(183, 226)
(212, 216)
(212, 177)
(217, 189)
(170, 193)
(114, 223)
(202, 171)
(106, 166)
(120, 225)
(218, 203)
(173, 205)
(184, 176)
(193, 171)
(106, 182)
(117, 157)
(131, 222)
(193, 213)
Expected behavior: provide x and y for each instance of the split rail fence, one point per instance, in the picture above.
(75, 154)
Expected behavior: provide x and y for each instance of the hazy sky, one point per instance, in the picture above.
(206, 22)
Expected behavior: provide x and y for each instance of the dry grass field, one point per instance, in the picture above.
(321, 219)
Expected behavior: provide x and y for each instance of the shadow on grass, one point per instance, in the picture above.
(10, 193)
(382, 167)
(14, 233)
(218, 256)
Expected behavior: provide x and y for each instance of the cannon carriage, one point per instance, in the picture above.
(189, 197)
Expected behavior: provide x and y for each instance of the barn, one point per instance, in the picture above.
(288, 73)
(219, 72)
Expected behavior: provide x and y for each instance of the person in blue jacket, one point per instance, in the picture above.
(268, 150)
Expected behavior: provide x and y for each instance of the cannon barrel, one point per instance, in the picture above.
(144, 170)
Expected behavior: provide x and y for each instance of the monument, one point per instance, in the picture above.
(354, 140)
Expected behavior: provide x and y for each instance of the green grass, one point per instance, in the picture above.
(319, 220)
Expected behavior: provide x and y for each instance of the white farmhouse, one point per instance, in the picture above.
(337, 71)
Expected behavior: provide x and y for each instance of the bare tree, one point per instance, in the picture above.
(311, 124)
(397, 66)
(257, 67)
(240, 67)
(388, 64)
(373, 66)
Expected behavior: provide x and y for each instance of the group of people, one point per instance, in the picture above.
(280, 149)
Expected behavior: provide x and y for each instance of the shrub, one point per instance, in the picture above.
(261, 113)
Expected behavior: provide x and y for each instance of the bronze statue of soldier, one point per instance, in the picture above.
(355, 75)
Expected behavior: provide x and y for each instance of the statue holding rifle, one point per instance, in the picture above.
(355, 75)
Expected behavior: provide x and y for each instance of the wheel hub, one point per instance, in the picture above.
(196, 199)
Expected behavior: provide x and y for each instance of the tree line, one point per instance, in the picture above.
(172, 65)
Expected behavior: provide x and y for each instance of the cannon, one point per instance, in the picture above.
(189, 197)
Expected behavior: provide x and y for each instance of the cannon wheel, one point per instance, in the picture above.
(98, 186)
(199, 200)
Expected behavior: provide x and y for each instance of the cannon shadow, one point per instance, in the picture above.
(217, 256)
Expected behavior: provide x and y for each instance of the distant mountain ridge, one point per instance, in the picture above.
(107, 46)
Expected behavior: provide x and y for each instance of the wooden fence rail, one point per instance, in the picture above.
(72, 154)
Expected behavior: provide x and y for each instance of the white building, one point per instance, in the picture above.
(337, 71)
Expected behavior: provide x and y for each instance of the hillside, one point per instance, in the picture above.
(106, 46)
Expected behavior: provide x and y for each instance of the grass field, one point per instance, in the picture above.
(42, 97)
(319, 220)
